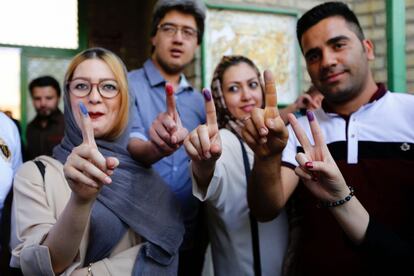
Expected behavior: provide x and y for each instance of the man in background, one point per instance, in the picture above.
(46, 129)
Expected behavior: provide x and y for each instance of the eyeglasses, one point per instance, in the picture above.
(82, 88)
(171, 30)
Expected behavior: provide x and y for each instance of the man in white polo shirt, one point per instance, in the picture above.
(364, 230)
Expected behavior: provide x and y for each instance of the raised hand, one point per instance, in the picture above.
(204, 143)
(306, 101)
(86, 170)
(265, 132)
(167, 132)
(317, 168)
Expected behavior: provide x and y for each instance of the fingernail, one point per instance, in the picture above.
(263, 131)
(263, 140)
(207, 155)
(108, 180)
(207, 94)
(270, 123)
(83, 109)
(309, 165)
(169, 88)
(173, 139)
(310, 115)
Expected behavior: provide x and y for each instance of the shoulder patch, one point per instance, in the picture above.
(4, 150)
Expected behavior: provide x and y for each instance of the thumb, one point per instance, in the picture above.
(112, 162)
(271, 110)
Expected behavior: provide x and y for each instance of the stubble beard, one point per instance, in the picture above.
(169, 68)
(339, 95)
(46, 113)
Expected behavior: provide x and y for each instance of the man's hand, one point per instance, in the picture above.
(167, 132)
(306, 101)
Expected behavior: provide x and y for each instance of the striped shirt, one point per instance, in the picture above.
(374, 149)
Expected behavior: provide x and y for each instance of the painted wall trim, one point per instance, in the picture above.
(396, 59)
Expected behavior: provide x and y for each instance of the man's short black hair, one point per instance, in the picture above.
(194, 7)
(44, 81)
(325, 10)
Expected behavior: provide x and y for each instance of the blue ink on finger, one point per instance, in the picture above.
(207, 94)
(83, 109)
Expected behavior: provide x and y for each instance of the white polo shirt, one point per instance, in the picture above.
(374, 149)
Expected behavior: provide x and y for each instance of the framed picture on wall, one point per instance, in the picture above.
(266, 36)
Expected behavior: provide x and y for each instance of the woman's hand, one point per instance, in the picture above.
(203, 144)
(317, 168)
(86, 170)
(265, 132)
(323, 178)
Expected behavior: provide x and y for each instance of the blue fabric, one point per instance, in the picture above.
(105, 231)
(147, 85)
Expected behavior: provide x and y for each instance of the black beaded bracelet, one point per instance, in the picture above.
(327, 204)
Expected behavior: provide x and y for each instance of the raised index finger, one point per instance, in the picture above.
(210, 110)
(270, 95)
(300, 133)
(86, 126)
(315, 129)
(170, 99)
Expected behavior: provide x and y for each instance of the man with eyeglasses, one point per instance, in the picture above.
(159, 131)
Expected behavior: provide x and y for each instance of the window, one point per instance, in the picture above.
(10, 80)
(37, 38)
(40, 23)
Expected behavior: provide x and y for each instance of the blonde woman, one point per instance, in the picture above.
(91, 209)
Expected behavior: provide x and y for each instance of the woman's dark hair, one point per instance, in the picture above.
(228, 61)
(224, 118)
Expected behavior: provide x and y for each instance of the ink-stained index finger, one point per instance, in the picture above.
(86, 126)
(170, 99)
(315, 129)
(211, 116)
(271, 110)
